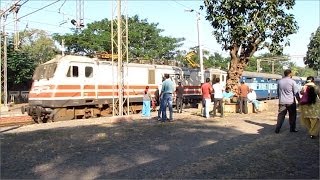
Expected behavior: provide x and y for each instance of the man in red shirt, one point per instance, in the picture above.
(243, 92)
(206, 90)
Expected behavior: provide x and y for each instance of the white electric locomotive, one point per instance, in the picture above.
(72, 87)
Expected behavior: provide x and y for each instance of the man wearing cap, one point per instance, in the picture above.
(243, 92)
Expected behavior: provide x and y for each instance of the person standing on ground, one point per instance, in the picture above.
(310, 107)
(206, 90)
(179, 100)
(160, 100)
(243, 91)
(166, 92)
(146, 110)
(157, 96)
(287, 91)
(218, 97)
(252, 98)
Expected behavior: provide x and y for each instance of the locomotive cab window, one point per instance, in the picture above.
(73, 71)
(88, 72)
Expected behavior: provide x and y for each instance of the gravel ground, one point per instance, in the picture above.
(237, 146)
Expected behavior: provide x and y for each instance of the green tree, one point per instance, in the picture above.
(20, 69)
(312, 58)
(305, 72)
(145, 39)
(217, 61)
(266, 66)
(38, 45)
(244, 27)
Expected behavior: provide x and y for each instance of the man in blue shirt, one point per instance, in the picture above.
(287, 91)
(166, 94)
(227, 95)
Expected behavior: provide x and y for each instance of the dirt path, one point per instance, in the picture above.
(238, 146)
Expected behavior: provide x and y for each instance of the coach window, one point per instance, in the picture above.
(88, 72)
(249, 80)
(186, 76)
(73, 71)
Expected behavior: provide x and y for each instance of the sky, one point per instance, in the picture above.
(170, 14)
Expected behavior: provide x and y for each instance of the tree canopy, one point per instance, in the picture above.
(145, 39)
(38, 45)
(312, 58)
(20, 68)
(35, 47)
(244, 27)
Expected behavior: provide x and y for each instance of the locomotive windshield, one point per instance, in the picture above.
(44, 71)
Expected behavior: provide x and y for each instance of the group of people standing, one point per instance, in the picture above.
(221, 96)
(309, 104)
(206, 90)
(163, 97)
(288, 93)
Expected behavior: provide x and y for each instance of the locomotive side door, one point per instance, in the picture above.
(88, 85)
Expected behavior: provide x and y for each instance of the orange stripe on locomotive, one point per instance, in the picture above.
(88, 91)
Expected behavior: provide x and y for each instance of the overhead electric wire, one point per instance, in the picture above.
(38, 9)
(189, 8)
(23, 3)
(10, 7)
(62, 5)
(52, 11)
(34, 11)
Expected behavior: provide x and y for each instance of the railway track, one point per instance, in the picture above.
(15, 121)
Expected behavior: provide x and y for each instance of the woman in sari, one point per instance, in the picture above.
(310, 107)
(146, 110)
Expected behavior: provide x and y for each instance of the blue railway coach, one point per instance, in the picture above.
(264, 84)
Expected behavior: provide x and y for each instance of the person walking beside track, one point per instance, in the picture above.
(310, 107)
(218, 97)
(287, 91)
(206, 90)
(166, 94)
(243, 91)
(179, 100)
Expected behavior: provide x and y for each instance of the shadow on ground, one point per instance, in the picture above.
(182, 149)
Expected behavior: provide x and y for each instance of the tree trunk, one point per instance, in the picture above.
(235, 72)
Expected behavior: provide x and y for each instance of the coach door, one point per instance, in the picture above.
(89, 83)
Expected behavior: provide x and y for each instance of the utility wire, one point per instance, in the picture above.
(62, 5)
(38, 9)
(188, 7)
(34, 11)
(24, 3)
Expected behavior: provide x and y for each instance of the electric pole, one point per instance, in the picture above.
(0, 59)
(119, 47)
(15, 9)
(3, 61)
(200, 48)
(78, 22)
(199, 44)
(62, 47)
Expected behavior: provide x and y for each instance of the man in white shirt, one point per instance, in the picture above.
(252, 98)
(218, 97)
